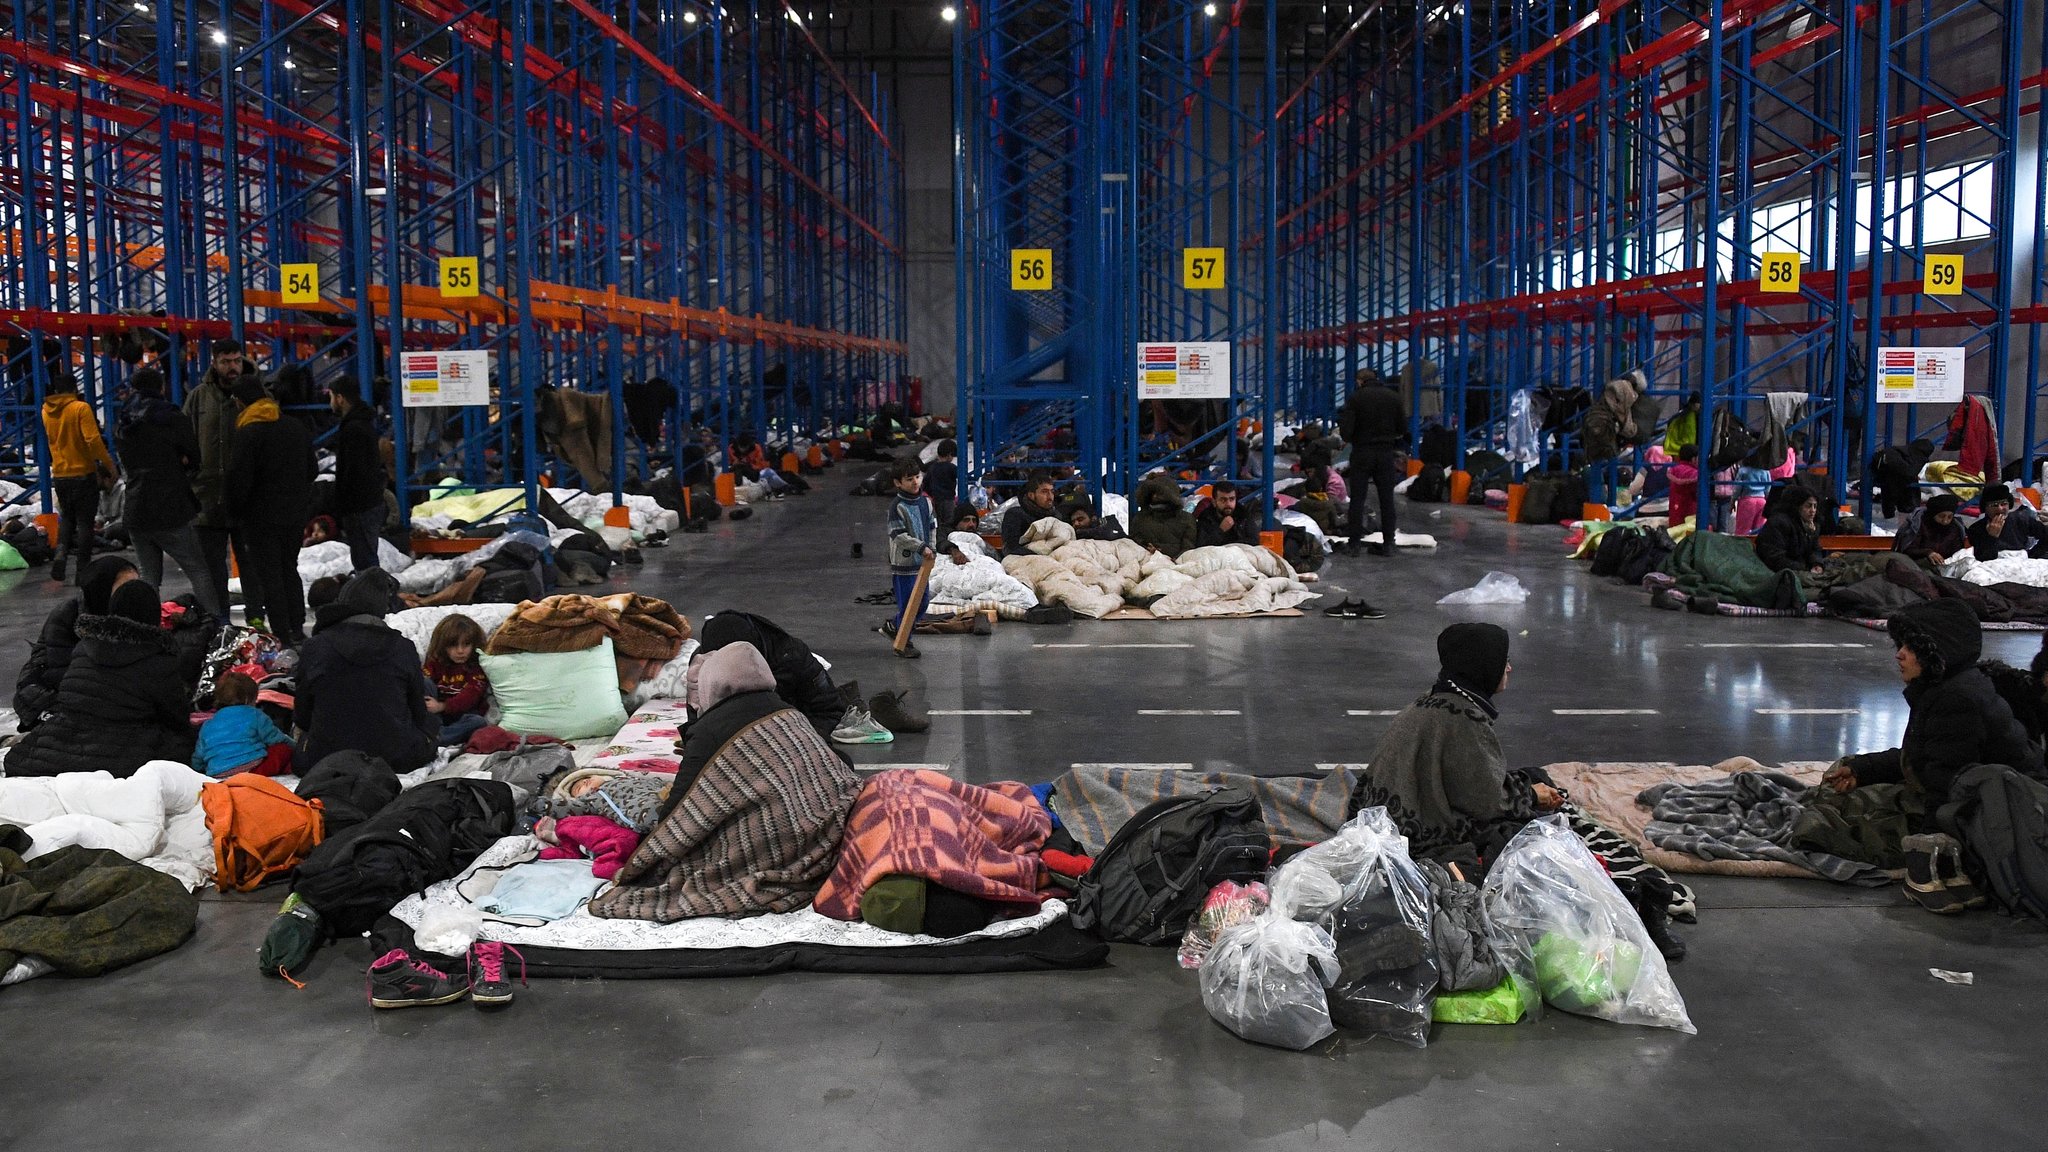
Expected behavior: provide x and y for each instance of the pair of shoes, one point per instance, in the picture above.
(1380, 550)
(778, 496)
(1355, 610)
(401, 980)
(892, 712)
(858, 726)
(1934, 875)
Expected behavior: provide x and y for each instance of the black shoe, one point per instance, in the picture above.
(1662, 598)
(1364, 611)
(57, 569)
(1924, 883)
(397, 980)
(1653, 905)
(1351, 549)
(1341, 609)
(1381, 550)
(891, 712)
(907, 652)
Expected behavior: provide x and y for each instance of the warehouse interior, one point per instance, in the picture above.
(1096, 404)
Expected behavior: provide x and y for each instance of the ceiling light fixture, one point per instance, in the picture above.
(689, 17)
(1209, 10)
(949, 14)
(219, 37)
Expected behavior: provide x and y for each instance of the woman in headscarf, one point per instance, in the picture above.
(753, 820)
(1937, 537)
(49, 656)
(123, 702)
(1438, 770)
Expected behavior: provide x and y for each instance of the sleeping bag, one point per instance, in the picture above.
(426, 835)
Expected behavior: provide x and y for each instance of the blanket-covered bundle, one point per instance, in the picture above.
(1095, 577)
(152, 817)
(427, 834)
(979, 583)
(639, 627)
(1044, 537)
(757, 831)
(980, 842)
(84, 911)
(649, 629)
(1228, 592)
(1727, 568)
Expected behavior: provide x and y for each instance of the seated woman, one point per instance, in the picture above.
(360, 684)
(1957, 719)
(1934, 538)
(123, 702)
(1438, 770)
(1790, 540)
(753, 818)
(49, 656)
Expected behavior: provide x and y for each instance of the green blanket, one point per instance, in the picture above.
(1726, 568)
(88, 911)
(1864, 824)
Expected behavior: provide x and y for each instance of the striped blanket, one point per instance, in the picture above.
(981, 842)
(1747, 816)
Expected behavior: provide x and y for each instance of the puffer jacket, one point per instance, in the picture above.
(49, 657)
(1160, 521)
(123, 703)
(1958, 719)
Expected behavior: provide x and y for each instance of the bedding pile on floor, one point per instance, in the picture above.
(1746, 816)
(84, 911)
(1092, 802)
(152, 817)
(1096, 577)
(978, 584)
(1998, 591)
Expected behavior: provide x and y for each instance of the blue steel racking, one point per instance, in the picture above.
(673, 189)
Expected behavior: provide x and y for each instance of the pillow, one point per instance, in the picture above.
(567, 695)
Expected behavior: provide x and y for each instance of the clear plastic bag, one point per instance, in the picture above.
(1493, 588)
(1361, 887)
(1265, 981)
(1226, 906)
(1560, 922)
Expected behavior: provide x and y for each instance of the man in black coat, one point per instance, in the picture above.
(360, 684)
(359, 478)
(1034, 503)
(269, 499)
(1374, 422)
(161, 453)
(1221, 521)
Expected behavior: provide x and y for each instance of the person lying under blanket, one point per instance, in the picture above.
(629, 799)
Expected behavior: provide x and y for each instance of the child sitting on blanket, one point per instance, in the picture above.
(628, 799)
(240, 738)
(461, 690)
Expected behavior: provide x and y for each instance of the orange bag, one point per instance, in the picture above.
(260, 829)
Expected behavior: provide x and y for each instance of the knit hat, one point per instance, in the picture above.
(1995, 494)
(96, 582)
(1474, 656)
(369, 593)
(1945, 502)
(227, 347)
(137, 600)
(147, 382)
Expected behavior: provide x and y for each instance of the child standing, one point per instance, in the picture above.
(913, 539)
(461, 690)
(240, 738)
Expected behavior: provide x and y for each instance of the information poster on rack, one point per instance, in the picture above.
(1198, 371)
(447, 379)
(1919, 375)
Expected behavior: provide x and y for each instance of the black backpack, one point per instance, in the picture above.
(1152, 876)
(1431, 486)
(2002, 819)
(1617, 547)
(1439, 446)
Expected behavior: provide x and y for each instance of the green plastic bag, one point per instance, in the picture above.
(1504, 1003)
(10, 560)
(1578, 979)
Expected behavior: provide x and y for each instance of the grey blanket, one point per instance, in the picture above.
(1094, 802)
(1747, 816)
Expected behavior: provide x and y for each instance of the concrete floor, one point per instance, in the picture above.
(1819, 1025)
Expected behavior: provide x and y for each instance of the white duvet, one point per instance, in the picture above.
(152, 817)
(2009, 568)
(1096, 577)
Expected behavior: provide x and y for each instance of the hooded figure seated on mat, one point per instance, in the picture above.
(1931, 535)
(753, 819)
(800, 677)
(1438, 770)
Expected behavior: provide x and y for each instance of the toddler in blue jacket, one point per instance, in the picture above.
(240, 737)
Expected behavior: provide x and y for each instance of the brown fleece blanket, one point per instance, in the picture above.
(649, 629)
(566, 623)
(1607, 793)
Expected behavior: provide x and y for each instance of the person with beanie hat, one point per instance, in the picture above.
(79, 464)
(162, 453)
(1933, 537)
(124, 701)
(360, 684)
(1438, 770)
(49, 655)
(2005, 527)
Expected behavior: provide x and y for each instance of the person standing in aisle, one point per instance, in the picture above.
(1375, 423)
(162, 453)
(269, 494)
(358, 475)
(79, 462)
(212, 408)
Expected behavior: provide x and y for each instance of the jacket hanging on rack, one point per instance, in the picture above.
(1973, 436)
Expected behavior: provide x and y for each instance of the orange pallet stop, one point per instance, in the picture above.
(1515, 494)
(815, 457)
(620, 517)
(1461, 486)
(1414, 466)
(723, 485)
(1274, 542)
(790, 464)
(1595, 512)
(47, 521)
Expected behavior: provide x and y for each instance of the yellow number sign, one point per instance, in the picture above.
(300, 283)
(1201, 268)
(1031, 269)
(1943, 276)
(458, 276)
(1781, 272)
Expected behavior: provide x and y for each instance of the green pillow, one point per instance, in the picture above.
(567, 695)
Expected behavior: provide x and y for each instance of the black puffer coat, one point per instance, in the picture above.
(1958, 718)
(49, 657)
(124, 702)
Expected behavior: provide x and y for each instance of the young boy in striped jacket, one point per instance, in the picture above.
(913, 539)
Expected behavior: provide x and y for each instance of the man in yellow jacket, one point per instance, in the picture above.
(78, 458)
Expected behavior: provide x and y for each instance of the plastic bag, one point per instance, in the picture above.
(1504, 1003)
(1264, 981)
(1226, 906)
(1560, 923)
(1493, 588)
(10, 560)
(1380, 921)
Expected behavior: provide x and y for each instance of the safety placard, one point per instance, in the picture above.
(1201, 268)
(1780, 272)
(1031, 269)
(1184, 371)
(299, 283)
(1919, 375)
(446, 379)
(1942, 276)
(458, 276)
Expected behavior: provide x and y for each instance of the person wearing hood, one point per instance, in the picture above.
(360, 685)
(212, 407)
(49, 655)
(162, 452)
(1956, 720)
(1935, 538)
(359, 480)
(1160, 522)
(79, 462)
(123, 702)
(1790, 540)
(269, 499)
(1438, 770)
(2005, 527)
